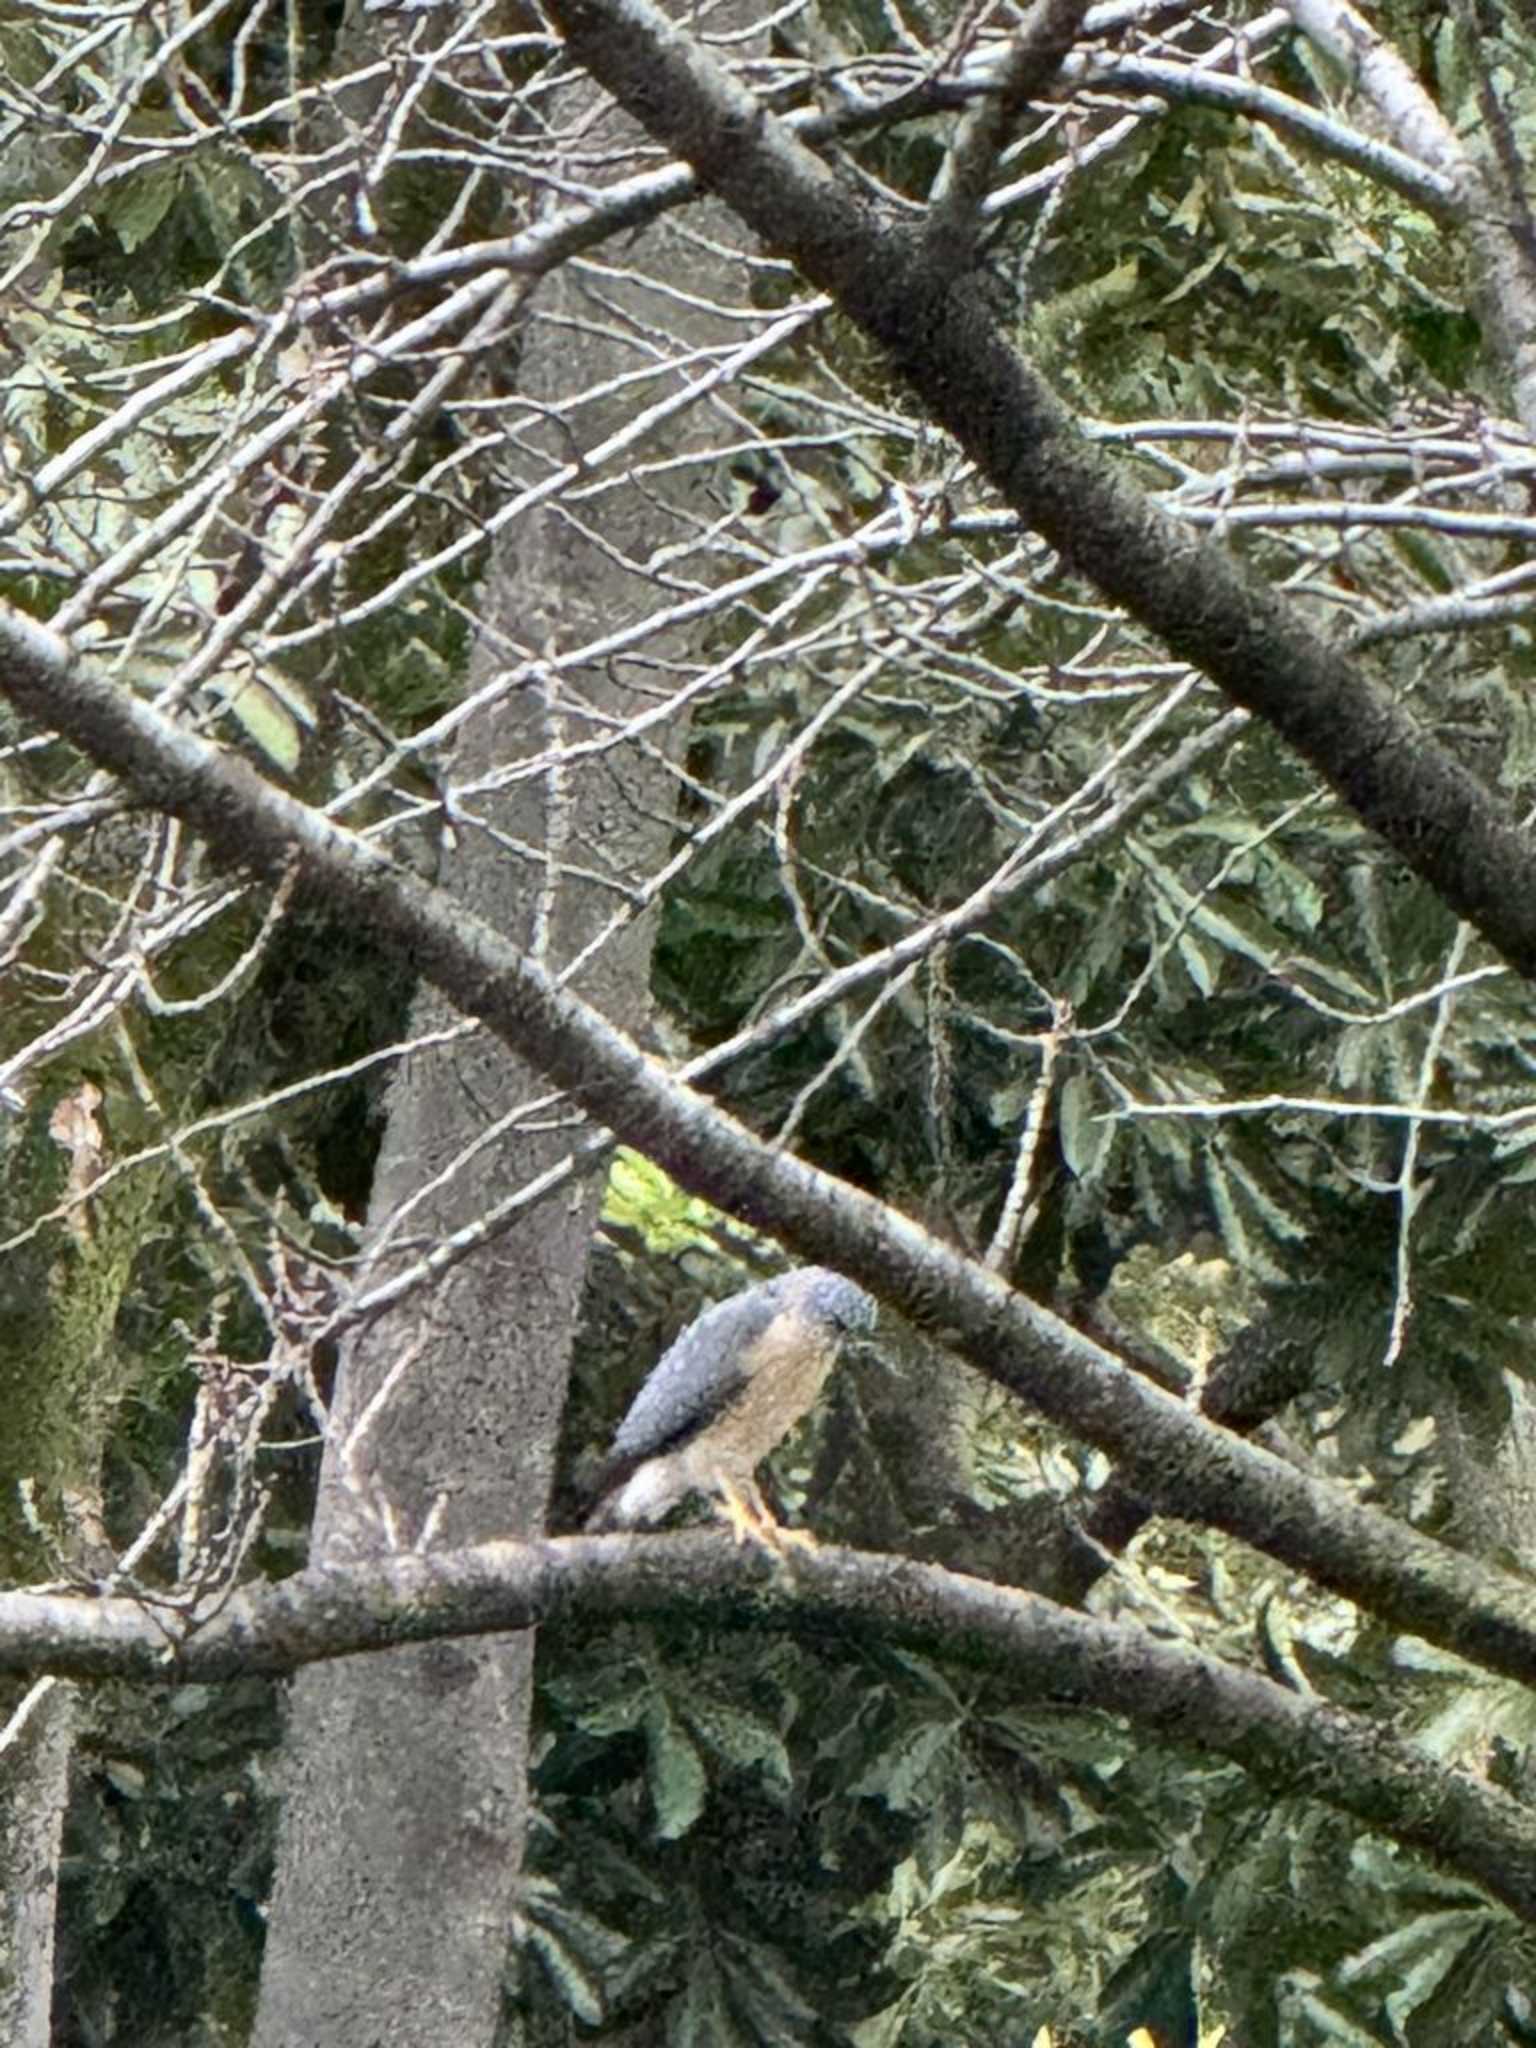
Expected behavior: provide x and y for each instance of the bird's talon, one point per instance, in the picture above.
(748, 1516)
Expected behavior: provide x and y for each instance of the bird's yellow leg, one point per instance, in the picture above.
(752, 1520)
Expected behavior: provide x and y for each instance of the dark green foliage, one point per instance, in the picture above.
(1018, 1870)
(167, 1861)
(1207, 1033)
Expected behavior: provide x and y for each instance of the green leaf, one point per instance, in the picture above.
(644, 1197)
(740, 1739)
(701, 2017)
(675, 1774)
(135, 207)
(1086, 1133)
(576, 1986)
(900, 1775)
(272, 710)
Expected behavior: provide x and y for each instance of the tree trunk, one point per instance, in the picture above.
(401, 1843)
(60, 1379)
(34, 1787)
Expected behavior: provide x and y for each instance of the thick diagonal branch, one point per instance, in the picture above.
(1445, 823)
(1171, 1457)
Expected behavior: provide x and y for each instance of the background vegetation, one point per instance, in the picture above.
(1161, 1030)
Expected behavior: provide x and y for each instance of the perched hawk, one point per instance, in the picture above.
(727, 1393)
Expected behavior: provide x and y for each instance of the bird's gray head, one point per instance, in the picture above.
(831, 1299)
